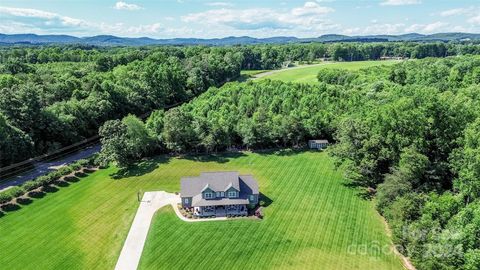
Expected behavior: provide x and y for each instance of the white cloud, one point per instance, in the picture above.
(136, 30)
(21, 20)
(48, 17)
(311, 8)
(400, 2)
(219, 4)
(474, 20)
(309, 16)
(376, 29)
(453, 12)
(427, 28)
(120, 5)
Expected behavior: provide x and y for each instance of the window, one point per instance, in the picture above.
(185, 200)
(222, 194)
(219, 194)
(232, 194)
(208, 195)
(252, 198)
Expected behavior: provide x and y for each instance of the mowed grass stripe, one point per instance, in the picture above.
(292, 235)
(312, 220)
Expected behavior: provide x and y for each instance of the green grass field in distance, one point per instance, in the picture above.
(253, 72)
(310, 224)
(308, 74)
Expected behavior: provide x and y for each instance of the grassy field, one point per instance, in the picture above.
(252, 72)
(308, 74)
(311, 222)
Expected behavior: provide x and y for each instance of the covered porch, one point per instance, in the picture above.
(220, 210)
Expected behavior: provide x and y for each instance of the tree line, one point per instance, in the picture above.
(409, 133)
(261, 56)
(57, 104)
(53, 96)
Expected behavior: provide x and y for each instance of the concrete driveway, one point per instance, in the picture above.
(133, 246)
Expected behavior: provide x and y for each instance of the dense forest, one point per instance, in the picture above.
(53, 96)
(52, 104)
(409, 133)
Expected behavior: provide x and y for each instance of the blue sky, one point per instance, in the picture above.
(260, 18)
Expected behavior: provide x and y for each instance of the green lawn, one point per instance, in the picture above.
(308, 74)
(245, 75)
(252, 72)
(311, 222)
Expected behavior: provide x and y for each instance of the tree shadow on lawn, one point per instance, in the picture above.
(10, 207)
(71, 179)
(362, 192)
(49, 189)
(36, 194)
(141, 168)
(61, 183)
(281, 151)
(213, 157)
(24, 201)
(80, 174)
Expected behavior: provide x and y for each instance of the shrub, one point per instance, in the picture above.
(5, 197)
(43, 180)
(75, 166)
(30, 185)
(83, 162)
(16, 192)
(64, 171)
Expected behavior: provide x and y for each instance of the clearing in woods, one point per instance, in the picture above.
(308, 73)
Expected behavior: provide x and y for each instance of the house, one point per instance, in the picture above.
(219, 193)
(317, 144)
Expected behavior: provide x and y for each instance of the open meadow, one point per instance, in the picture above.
(308, 73)
(313, 220)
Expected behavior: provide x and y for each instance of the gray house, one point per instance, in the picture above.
(219, 193)
(317, 144)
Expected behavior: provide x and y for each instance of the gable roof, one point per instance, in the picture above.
(218, 181)
(318, 141)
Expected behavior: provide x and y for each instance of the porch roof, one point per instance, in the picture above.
(199, 201)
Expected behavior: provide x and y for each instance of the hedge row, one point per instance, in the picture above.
(43, 180)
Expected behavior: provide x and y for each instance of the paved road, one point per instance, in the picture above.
(41, 168)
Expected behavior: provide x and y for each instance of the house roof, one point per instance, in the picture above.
(318, 141)
(218, 181)
(197, 200)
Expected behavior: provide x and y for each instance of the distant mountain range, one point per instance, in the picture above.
(107, 40)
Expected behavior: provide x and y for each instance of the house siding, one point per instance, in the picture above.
(255, 199)
(208, 191)
(230, 190)
(186, 202)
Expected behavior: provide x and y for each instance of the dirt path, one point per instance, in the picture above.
(407, 264)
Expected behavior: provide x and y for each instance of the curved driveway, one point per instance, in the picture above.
(151, 202)
(133, 246)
